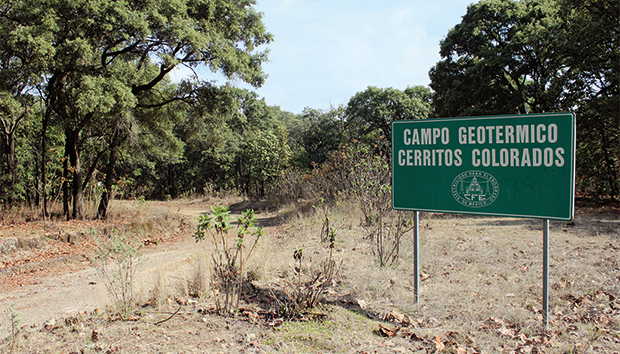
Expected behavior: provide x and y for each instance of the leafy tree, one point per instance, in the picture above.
(590, 44)
(210, 144)
(142, 140)
(22, 64)
(222, 131)
(12, 114)
(255, 113)
(265, 155)
(532, 56)
(373, 110)
(500, 60)
(315, 134)
(425, 97)
(297, 126)
(106, 56)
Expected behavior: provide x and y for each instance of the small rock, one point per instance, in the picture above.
(250, 337)
(49, 324)
(64, 237)
(75, 238)
(8, 245)
(184, 301)
(28, 243)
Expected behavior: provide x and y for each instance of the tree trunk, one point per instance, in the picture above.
(608, 162)
(65, 183)
(9, 146)
(11, 156)
(71, 150)
(78, 192)
(43, 190)
(102, 211)
(92, 163)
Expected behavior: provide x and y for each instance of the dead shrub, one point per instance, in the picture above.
(371, 186)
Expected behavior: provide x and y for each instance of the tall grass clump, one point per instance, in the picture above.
(15, 323)
(118, 258)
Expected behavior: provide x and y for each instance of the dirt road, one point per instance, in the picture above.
(164, 268)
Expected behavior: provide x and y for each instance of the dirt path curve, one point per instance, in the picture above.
(167, 265)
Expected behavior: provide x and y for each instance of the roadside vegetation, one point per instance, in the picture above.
(481, 289)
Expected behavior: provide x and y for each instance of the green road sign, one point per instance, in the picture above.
(519, 165)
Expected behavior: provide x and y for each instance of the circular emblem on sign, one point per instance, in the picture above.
(475, 189)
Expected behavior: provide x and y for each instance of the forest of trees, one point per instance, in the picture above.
(89, 111)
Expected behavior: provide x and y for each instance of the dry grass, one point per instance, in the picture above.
(482, 278)
(481, 292)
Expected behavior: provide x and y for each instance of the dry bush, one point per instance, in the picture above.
(329, 180)
(371, 187)
(18, 213)
(212, 191)
(300, 264)
(354, 171)
(158, 294)
(29, 211)
(288, 187)
(309, 282)
(198, 284)
(15, 328)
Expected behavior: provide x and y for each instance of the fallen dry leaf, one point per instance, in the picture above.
(387, 331)
(498, 321)
(508, 332)
(439, 344)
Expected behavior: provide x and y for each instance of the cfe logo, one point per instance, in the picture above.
(475, 189)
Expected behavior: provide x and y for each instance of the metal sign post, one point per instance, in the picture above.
(416, 256)
(545, 299)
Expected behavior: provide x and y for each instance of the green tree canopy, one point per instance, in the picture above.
(372, 111)
(535, 56)
(108, 57)
(315, 134)
(265, 155)
(591, 32)
(500, 60)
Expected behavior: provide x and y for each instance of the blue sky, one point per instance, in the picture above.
(325, 51)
